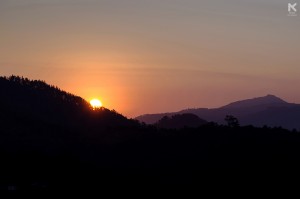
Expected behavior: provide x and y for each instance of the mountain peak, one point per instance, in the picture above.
(265, 100)
(271, 96)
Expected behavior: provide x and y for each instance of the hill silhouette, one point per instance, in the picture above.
(51, 140)
(36, 100)
(268, 110)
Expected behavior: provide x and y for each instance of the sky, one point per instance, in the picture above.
(150, 56)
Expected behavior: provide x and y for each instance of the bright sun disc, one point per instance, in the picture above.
(96, 103)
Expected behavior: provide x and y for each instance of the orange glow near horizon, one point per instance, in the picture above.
(95, 103)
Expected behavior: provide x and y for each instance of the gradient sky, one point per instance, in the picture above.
(148, 56)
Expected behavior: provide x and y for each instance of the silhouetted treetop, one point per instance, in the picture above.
(232, 121)
(40, 85)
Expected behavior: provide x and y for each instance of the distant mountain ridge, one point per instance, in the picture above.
(258, 101)
(268, 110)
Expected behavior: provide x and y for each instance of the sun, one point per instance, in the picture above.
(95, 103)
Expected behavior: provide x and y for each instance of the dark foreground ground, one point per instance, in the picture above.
(44, 158)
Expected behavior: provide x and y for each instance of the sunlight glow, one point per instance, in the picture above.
(95, 103)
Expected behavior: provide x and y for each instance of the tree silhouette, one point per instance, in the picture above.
(232, 121)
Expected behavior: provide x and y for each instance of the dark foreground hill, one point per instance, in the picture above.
(53, 141)
(268, 110)
(36, 100)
